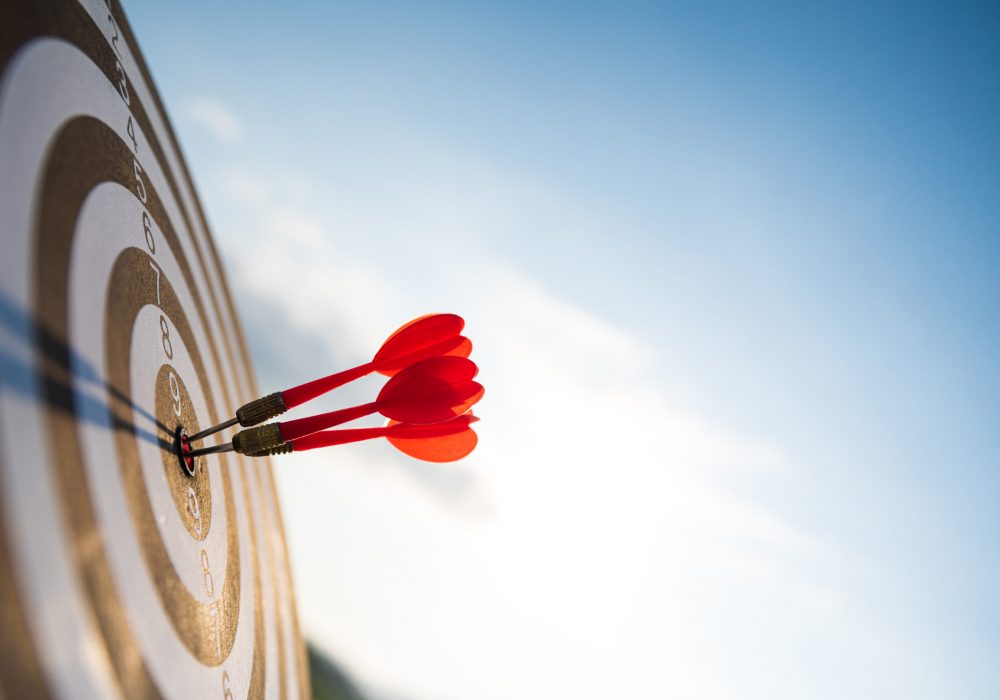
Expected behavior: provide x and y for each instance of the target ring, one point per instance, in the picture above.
(137, 578)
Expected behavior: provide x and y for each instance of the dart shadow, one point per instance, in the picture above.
(51, 376)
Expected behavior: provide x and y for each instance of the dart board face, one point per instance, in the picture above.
(121, 575)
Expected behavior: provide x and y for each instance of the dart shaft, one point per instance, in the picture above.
(215, 449)
(293, 429)
(214, 429)
(298, 395)
(251, 413)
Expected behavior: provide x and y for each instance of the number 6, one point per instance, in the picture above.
(140, 186)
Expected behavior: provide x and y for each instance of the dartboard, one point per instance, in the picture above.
(121, 573)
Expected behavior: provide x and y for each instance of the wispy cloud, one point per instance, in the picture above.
(217, 117)
(590, 484)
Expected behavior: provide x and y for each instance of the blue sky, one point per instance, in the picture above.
(731, 276)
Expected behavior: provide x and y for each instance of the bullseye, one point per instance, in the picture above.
(182, 446)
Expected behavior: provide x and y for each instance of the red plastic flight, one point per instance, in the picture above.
(439, 442)
(433, 335)
(432, 390)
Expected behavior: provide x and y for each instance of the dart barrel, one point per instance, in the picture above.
(260, 410)
(282, 449)
(254, 441)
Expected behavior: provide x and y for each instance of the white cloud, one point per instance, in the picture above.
(216, 116)
(243, 186)
(585, 544)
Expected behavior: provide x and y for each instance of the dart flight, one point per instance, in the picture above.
(438, 442)
(433, 335)
(430, 391)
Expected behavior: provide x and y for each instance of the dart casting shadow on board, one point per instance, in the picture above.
(427, 399)
(60, 365)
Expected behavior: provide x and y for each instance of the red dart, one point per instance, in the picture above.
(434, 335)
(430, 391)
(439, 442)
(424, 442)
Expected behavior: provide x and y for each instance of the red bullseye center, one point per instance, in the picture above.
(182, 445)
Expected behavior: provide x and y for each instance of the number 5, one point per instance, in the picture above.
(140, 186)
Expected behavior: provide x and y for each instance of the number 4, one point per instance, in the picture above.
(131, 134)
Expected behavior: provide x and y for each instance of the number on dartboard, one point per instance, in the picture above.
(175, 392)
(140, 186)
(114, 39)
(168, 347)
(157, 271)
(130, 128)
(213, 609)
(207, 575)
(194, 510)
(147, 229)
(227, 692)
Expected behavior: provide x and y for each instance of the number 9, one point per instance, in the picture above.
(175, 392)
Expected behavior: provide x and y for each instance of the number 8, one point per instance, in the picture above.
(168, 347)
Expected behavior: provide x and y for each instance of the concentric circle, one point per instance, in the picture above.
(120, 574)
